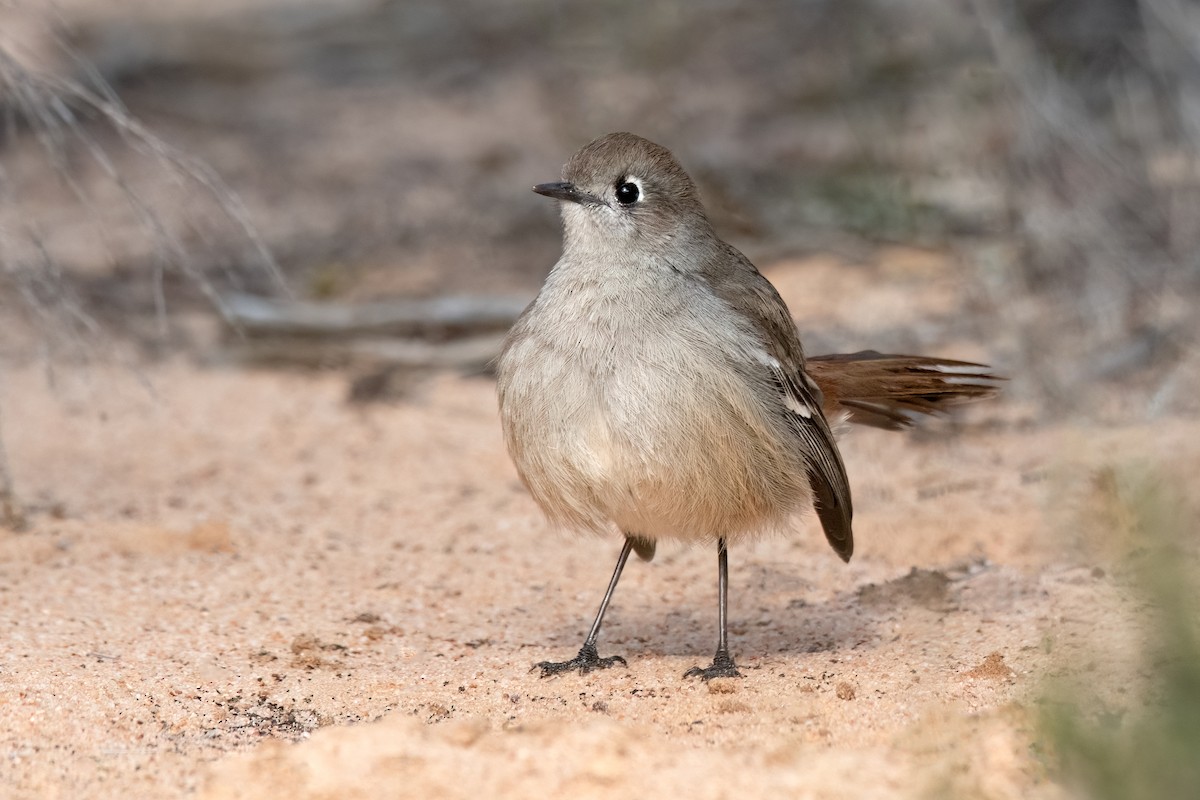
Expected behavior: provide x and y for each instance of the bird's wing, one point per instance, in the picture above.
(736, 281)
(826, 472)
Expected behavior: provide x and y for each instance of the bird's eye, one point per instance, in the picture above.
(628, 193)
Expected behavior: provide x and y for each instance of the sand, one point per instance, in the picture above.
(234, 584)
(242, 586)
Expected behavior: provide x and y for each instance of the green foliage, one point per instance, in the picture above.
(1153, 751)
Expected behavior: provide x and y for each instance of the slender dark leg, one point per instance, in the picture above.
(588, 659)
(722, 666)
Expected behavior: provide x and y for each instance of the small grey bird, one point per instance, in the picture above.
(656, 385)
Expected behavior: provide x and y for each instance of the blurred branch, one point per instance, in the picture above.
(440, 317)
(455, 332)
(471, 354)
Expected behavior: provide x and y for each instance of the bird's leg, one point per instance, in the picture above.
(588, 659)
(722, 666)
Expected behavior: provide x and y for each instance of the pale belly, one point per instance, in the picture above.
(652, 441)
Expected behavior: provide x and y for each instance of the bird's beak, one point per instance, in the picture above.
(563, 190)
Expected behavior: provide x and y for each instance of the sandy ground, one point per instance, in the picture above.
(236, 585)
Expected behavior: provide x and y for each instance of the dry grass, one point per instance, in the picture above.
(78, 124)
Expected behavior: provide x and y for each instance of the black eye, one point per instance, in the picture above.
(628, 193)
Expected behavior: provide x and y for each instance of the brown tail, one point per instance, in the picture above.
(887, 391)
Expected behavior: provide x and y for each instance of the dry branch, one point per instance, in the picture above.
(469, 355)
(435, 318)
(454, 332)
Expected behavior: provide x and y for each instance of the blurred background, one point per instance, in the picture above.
(158, 156)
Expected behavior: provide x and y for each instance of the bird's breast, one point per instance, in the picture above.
(634, 413)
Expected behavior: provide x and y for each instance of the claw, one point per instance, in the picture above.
(587, 661)
(722, 667)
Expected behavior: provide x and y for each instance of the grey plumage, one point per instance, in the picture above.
(657, 385)
(657, 381)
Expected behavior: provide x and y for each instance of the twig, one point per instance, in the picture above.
(441, 317)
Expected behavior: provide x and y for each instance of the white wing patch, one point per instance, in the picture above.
(793, 403)
(763, 357)
(797, 406)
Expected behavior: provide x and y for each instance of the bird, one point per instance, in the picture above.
(657, 386)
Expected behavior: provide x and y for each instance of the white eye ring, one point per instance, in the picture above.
(628, 190)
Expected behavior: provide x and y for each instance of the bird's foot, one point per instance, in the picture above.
(721, 667)
(587, 661)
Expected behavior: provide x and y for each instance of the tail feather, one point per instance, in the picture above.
(890, 391)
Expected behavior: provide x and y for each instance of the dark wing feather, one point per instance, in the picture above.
(826, 472)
